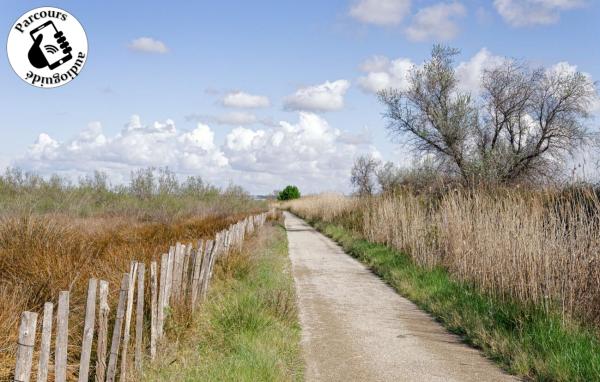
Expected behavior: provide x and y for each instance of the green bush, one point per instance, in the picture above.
(288, 193)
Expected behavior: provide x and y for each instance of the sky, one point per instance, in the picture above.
(262, 93)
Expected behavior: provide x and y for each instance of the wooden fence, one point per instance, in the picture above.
(183, 275)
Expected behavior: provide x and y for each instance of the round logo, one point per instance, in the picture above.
(47, 47)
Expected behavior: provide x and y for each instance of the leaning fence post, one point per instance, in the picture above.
(42, 375)
(126, 334)
(196, 273)
(111, 372)
(102, 332)
(62, 338)
(209, 255)
(88, 331)
(139, 316)
(153, 308)
(25, 346)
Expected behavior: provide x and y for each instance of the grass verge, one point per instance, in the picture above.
(524, 340)
(248, 329)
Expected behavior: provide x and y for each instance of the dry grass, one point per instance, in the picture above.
(42, 254)
(540, 247)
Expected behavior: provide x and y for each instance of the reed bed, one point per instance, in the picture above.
(539, 247)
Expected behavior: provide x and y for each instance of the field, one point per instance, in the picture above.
(55, 236)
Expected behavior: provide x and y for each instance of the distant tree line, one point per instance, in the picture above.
(144, 183)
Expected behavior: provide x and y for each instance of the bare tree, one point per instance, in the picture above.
(519, 129)
(389, 177)
(363, 174)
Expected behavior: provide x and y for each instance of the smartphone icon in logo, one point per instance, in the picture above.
(50, 45)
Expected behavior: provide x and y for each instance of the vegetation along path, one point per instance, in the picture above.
(357, 328)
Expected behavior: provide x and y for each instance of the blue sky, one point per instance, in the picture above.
(299, 75)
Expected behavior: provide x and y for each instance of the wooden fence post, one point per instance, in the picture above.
(42, 374)
(88, 331)
(127, 333)
(153, 309)
(102, 345)
(139, 316)
(180, 259)
(185, 276)
(216, 250)
(177, 265)
(169, 279)
(25, 346)
(115, 344)
(178, 277)
(198, 258)
(62, 337)
(206, 264)
(164, 260)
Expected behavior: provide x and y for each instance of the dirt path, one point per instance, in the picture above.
(356, 328)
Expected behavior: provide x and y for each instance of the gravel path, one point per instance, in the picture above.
(357, 328)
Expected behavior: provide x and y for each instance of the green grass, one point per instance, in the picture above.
(248, 330)
(524, 340)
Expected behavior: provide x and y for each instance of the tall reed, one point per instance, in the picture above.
(540, 247)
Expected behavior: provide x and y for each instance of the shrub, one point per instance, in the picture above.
(289, 193)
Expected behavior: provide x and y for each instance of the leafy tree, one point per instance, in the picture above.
(288, 193)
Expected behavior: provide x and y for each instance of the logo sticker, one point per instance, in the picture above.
(47, 47)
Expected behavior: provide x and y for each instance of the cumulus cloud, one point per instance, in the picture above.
(437, 22)
(308, 151)
(136, 145)
(148, 45)
(521, 13)
(380, 12)
(567, 68)
(328, 96)
(383, 73)
(244, 100)
(469, 72)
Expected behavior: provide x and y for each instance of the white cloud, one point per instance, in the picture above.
(43, 147)
(202, 137)
(380, 12)
(308, 152)
(521, 13)
(469, 73)
(383, 73)
(148, 45)
(437, 22)
(328, 96)
(156, 144)
(244, 100)
(566, 68)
